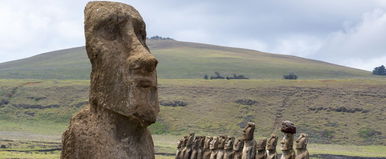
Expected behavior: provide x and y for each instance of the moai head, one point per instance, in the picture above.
(289, 129)
(272, 142)
(191, 138)
(196, 142)
(248, 131)
(214, 143)
(287, 142)
(180, 143)
(184, 141)
(221, 142)
(229, 143)
(201, 141)
(261, 144)
(302, 141)
(238, 144)
(123, 75)
(207, 142)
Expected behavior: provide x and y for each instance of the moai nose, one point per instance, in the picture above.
(145, 62)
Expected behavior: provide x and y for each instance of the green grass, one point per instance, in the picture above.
(183, 60)
(212, 109)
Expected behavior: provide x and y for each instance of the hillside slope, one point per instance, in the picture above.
(183, 60)
(330, 111)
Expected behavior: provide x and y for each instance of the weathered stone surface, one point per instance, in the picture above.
(249, 149)
(228, 148)
(123, 91)
(207, 151)
(301, 147)
(238, 148)
(288, 127)
(287, 146)
(260, 148)
(271, 147)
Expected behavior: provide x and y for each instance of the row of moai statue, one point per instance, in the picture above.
(245, 147)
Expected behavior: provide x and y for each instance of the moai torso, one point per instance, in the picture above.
(123, 88)
(271, 147)
(228, 148)
(200, 151)
(261, 153)
(301, 147)
(206, 149)
(238, 148)
(289, 129)
(249, 149)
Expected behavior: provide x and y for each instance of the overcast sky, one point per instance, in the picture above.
(345, 32)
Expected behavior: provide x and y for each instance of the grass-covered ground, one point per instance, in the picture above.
(338, 114)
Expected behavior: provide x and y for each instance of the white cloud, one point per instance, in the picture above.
(362, 43)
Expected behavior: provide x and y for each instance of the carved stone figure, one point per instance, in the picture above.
(301, 147)
(260, 148)
(180, 145)
(200, 149)
(249, 150)
(194, 148)
(185, 141)
(271, 147)
(220, 150)
(228, 148)
(238, 148)
(207, 151)
(123, 88)
(188, 147)
(213, 148)
(289, 129)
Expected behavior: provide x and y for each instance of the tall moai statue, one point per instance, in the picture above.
(249, 149)
(206, 149)
(228, 148)
(195, 147)
(183, 148)
(123, 88)
(260, 148)
(289, 129)
(271, 147)
(188, 148)
(180, 146)
(213, 148)
(301, 147)
(220, 147)
(238, 148)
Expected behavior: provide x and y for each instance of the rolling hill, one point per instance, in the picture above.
(183, 60)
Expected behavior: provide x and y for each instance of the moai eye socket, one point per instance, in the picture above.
(111, 28)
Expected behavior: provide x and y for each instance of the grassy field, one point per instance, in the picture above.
(346, 111)
(183, 60)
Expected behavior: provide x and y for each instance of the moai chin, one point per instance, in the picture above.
(238, 148)
(123, 88)
(249, 150)
(271, 147)
(301, 147)
(260, 148)
(213, 146)
(221, 144)
(228, 148)
(206, 149)
(289, 129)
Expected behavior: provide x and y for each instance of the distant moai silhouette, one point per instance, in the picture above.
(249, 149)
(271, 147)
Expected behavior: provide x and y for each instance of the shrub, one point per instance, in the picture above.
(176, 103)
(290, 76)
